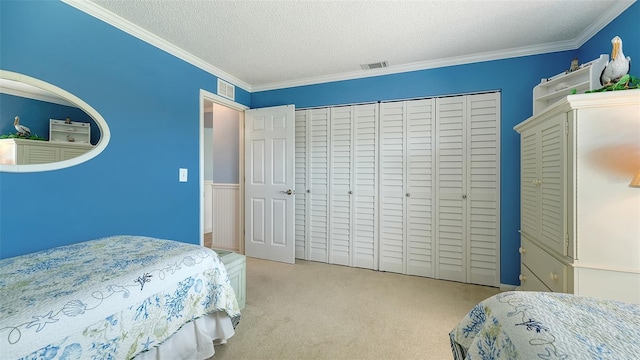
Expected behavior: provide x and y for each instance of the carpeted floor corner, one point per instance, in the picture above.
(313, 310)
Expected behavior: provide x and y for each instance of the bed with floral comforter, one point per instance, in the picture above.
(110, 298)
(537, 325)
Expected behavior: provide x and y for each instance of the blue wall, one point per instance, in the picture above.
(515, 78)
(35, 115)
(150, 100)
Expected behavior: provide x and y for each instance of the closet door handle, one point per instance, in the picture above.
(350, 192)
(464, 196)
(408, 194)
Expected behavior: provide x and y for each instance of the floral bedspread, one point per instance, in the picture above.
(537, 325)
(109, 298)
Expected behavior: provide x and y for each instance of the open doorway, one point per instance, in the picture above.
(221, 173)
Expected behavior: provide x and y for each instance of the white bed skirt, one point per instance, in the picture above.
(194, 340)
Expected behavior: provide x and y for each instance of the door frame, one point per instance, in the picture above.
(217, 99)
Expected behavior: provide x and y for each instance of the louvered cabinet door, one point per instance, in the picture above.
(392, 185)
(365, 204)
(529, 176)
(318, 195)
(451, 185)
(301, 185)
(341, 187)
(552, 157)
(419, 183)
(483, 194)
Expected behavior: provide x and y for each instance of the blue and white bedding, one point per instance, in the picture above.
(536, 325)
(110, 298)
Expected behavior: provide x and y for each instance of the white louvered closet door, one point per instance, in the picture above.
(467, 188)
(406, 168)
(419, 184)
(365, 200)
(353, 186)
(341, 187)
(301, 184)
(483, 194)
(312, 180)
(392, 231)
(451, 188)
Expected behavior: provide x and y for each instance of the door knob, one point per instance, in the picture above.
(288, 192)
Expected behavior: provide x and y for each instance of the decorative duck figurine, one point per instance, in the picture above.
(617, 67)
(22, 130)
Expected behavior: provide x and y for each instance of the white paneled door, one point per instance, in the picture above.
(269, 183)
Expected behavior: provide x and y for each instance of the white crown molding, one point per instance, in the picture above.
(604, 20)
(142, 34)
(30, 92)
(424, 65)
(100, 13)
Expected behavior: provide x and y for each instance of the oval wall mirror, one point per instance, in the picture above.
(62, 129)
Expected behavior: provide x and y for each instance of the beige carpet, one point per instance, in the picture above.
(313, 310)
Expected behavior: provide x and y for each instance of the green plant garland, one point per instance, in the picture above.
(16, 136)
(625, 83)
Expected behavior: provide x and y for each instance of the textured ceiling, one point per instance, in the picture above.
(270, 44)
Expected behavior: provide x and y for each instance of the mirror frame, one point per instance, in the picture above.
(105, 134)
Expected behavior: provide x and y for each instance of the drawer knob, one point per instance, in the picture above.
(522, 277)
(521, 250)
(553, 276)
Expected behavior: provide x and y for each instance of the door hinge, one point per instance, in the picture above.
(566, 127)
(566, 242)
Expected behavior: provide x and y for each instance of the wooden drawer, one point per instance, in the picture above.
(551, 271)
(529, 282)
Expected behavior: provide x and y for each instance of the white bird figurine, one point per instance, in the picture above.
(22, 130)
(617, 67)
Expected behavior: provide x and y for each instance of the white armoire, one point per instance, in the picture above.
(580, 220)
(405, 186)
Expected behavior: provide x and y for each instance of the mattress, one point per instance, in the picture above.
(111, 298)
(541, 325)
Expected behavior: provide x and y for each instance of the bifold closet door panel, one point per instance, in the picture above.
(341, 213)
(312, 184)
(365, 201)
(301, 185)
(319, 185)
(468, 188)
(451, 188)
(353, 186)
(392, 231)
(406, 182)
(420, 119)
(483, 200)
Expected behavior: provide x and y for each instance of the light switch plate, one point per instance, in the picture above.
(184, 173)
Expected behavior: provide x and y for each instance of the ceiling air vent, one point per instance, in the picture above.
(227, 90)
(378, 65)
